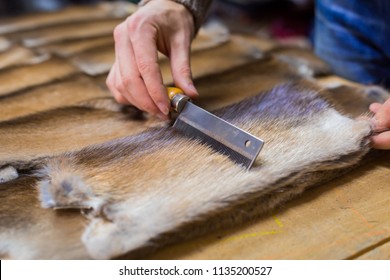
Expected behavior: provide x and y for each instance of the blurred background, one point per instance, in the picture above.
(281, 19)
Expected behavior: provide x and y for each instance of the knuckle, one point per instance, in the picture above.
(120, 87)
(155, 92)
(134, 23)
(119, 32)
(126, 82)
(185, 71)
(143, 66)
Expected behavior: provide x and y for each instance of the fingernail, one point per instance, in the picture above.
(163, 108)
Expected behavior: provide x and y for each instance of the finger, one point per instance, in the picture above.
(130, 84)
(381, 119)
(374, 107)
(381, 141)
(145, 51)
(181, 67)
(111, 84)
(383, 114)
(122, 98)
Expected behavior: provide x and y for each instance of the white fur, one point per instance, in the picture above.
(8, 173)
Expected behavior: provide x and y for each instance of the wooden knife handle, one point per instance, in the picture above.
(178, 98)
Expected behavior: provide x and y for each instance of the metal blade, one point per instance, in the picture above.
(222, 136)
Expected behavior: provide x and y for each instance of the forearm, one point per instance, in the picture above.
(198, 9)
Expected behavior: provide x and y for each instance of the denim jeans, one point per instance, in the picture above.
(353, 37)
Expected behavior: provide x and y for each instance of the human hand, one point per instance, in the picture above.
(381, 122)
(135, 77)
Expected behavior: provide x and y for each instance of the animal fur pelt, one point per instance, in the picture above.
(70, 48)
(232, 85)
(203, 62)
(142, 187)
(18, 55)
(24, 77)
(69, 15)
(70, 31)
(27, 231)
(58, 94)
(25, 141)
(5, 44)
(209, 36)
(303, 60)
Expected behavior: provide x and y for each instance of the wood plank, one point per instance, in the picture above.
(332, 221)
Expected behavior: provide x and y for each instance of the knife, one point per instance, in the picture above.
(225, 138)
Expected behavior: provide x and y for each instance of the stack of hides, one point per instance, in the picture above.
(123, 183)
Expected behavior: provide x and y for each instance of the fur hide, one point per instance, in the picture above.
(303, 60)
(26, 228)
(18, 55)
(208, 37)
(24, 77)
(136, 189)
(70, 31)
(69, 15)
(58, 94)
(5, 44)
(204, 62)
(25, 141)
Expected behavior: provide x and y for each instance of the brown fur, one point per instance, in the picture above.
(69, 31)
(70, 48)
(207, 37)
(27, 230)
(224, 88)
(203, 62)
(45, 134)
(303, 60)
(69, 15)
(350, 97)
(18, 55)
(58, 94)
(5, 44)
(24, 77)
(354, 101)
(138, 189)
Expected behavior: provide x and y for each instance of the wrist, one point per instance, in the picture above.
(197, 8)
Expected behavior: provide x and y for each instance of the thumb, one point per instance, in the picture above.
(181, 68)
(374, 107)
